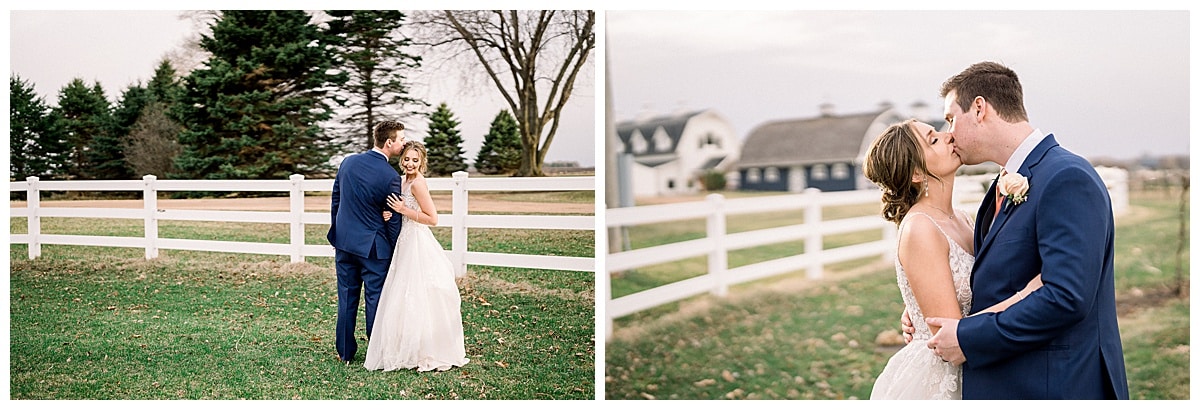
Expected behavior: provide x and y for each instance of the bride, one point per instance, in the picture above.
(419, 323)
(914, 165)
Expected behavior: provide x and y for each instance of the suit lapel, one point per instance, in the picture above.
(983, 219)
(990, 232)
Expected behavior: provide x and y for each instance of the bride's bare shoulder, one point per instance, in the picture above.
(918, 232)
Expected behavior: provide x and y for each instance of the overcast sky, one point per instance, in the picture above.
(119, 48)
(1106, 83)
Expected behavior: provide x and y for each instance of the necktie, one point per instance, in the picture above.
(999, 197)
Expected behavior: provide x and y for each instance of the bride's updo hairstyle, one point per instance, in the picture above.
(891, 161)
(420, 148)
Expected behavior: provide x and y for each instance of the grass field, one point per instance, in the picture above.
(104, 323)
(791, 338)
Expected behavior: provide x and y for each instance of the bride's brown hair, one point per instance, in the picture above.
(892, 160)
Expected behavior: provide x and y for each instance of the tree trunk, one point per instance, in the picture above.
(531, 165)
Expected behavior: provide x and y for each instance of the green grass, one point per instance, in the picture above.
(104, 323)
(790, 338)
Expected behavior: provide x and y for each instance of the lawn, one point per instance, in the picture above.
(105, 323)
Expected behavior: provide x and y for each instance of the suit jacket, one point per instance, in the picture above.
(360, 193)
(1061, 341)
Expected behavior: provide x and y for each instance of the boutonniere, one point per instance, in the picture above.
(1015, 187)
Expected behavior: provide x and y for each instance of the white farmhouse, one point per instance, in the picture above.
(670, 154)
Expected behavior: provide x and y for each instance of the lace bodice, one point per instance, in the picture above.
(961, 262)
(410, 202)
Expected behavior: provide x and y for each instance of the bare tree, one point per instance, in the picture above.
(189, 55)
(151, 147)
(525, 53)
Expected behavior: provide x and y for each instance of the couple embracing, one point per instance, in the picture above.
(386, 254)
(1022, 305)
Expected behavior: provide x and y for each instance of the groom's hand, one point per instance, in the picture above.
(945, 342)
(907, 327)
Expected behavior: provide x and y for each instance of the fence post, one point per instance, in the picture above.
(607, 298)
(458, 229)
(297, 217)
(889, 240)
(150, 201)
(33, 200)
(813, 245)
(718, 265)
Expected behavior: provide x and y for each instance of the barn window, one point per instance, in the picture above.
(771, 174)
(840, 171)
(752, 176)
(820, 171)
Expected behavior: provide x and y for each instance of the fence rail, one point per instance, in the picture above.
(968, 192)
(458, 220)
(718, 242)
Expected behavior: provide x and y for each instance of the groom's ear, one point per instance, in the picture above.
(980, 105)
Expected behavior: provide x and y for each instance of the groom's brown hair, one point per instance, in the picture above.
(385, 130)
(995, 83)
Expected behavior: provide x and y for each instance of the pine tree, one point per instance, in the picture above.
(444, 143)
(164, 87)
(501, 150)
(128, 108)
(86, 116)
(371, 50)
(252, 111)
(125, 113)
(35, 138)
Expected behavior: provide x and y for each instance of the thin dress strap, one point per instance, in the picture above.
(949, 239)
(939, 227)
(905, 222)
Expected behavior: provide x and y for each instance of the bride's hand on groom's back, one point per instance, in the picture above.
(394, 202)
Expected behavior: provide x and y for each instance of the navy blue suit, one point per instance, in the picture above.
(1061, 341)
(363, 242)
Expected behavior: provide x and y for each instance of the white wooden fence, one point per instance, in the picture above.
(968, 192)
(718, 242)
(458, 219)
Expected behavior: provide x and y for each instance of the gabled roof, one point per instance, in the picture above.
(673, 126)
(821, 139)
(712, 163)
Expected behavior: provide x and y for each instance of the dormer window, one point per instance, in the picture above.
(638, 143)
(662, 143)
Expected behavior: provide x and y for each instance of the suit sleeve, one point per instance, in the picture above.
(1072, 229)
(393, 225)
(335, 201)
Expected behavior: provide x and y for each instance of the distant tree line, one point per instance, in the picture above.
(264, 104)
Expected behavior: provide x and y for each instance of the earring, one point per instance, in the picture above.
(926, 187)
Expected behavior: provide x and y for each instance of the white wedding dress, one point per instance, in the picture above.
(418, 324)
(914, 373)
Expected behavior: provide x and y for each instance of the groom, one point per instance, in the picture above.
(1061, 341)
(363, 242)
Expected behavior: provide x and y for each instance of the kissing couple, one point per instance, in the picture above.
(1022, 305)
